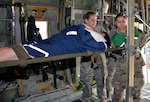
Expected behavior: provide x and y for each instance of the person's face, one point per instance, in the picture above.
(92, 21)
(121, 23)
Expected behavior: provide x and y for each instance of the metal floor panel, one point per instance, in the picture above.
(58, 95)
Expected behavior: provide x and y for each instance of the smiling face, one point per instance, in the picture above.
(121, 24)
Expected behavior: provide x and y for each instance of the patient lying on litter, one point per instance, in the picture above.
(73, 39)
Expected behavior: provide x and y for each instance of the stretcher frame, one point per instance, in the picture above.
(23, 63)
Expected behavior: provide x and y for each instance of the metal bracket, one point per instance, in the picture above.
(134, 9)
(131, 49)
(131, 92)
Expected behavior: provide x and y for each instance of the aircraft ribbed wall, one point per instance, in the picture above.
(39, 2)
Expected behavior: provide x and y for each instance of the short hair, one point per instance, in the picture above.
(88, 14)
(120, 14)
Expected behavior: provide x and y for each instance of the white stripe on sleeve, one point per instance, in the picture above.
(38, 49)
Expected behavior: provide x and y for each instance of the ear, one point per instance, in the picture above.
(115, 24)
(86, 20)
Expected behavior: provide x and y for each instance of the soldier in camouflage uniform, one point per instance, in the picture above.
(111, 67)
(119, 39)
(93, 68)
(86, 72)
(94, 65)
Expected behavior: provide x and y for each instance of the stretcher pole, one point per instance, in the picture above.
(51, 58)
(130, 58)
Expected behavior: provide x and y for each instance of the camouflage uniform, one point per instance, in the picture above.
(111, 67)
(119, 81)
(86, 77)
(138, 72)
(97, 68)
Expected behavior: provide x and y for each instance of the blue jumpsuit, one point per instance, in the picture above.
(73, 39)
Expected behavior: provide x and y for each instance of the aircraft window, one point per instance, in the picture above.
(42, 25)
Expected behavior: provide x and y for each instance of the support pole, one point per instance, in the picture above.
(130, 58)
(100, 14)
(13, 36)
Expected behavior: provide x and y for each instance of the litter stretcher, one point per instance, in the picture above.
(51, 58)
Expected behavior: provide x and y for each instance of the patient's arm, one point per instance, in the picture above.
(7, 54)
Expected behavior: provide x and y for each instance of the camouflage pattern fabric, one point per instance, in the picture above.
(111, 67)
(86, 77)
(119, 81)
(98, 70)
